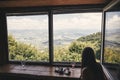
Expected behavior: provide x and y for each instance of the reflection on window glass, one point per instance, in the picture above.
(112, 37)
(73, 32)
(28, 37)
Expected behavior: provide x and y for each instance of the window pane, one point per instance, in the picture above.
(28, 37)
(73, 32)
(112, 37)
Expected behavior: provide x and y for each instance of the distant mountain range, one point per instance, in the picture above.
(112, 37)
(40, 37)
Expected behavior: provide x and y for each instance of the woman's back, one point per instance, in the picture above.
(93, 73)
(91, 70)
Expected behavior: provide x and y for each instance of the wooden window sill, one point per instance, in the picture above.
(36, 72)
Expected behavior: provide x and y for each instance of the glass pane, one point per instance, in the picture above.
(112, 38)
(28, 37)
(73, 32)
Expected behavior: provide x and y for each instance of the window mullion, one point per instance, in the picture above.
(50, 37)
(103, 37)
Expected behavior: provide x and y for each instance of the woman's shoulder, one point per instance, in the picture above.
(99, 66)
(87, 71)
(87, 74)
(84, 69)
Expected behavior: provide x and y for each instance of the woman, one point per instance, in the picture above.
(90, 69)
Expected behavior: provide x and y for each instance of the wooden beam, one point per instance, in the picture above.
(33, 3)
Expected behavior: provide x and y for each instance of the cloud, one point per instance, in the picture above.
(78, 21)
(60, 21)
(27, 23)
(113, 22)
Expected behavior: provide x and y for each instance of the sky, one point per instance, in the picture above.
(113, 20)
(27, 22)
(84, 21)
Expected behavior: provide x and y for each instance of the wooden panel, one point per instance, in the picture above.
(33, 3)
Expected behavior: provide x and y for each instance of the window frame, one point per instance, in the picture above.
(111, 7)
(27, 14)
(51, 11)
(69, 12)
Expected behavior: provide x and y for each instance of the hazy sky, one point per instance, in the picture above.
(27, 22)
(113, 20)
(60, 21)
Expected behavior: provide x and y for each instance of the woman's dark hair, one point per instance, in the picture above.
(88, 57)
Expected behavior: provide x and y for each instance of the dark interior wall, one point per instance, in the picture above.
(3, 38)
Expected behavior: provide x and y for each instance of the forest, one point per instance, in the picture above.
(72, 52)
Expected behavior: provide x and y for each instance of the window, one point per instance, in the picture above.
(112, 38)
(73, 32)
(28, 37)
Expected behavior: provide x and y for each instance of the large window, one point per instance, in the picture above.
(112, 38)
(28, 37)
(73, 32)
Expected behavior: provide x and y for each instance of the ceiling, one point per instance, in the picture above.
(39, 3)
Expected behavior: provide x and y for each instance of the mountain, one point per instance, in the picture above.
(40, 37)
(111, 44)
(91, 37)
(113, 36)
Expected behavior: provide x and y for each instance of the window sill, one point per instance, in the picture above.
(36, 72)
